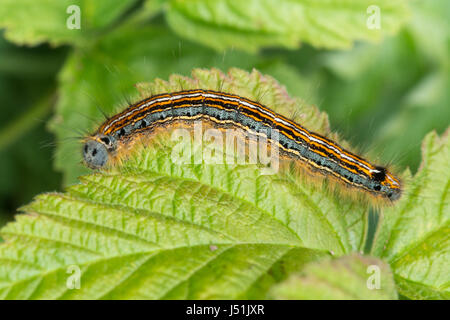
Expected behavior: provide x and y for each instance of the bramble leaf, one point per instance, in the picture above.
(250, 25)
(414, 235)
(58, 22)
(152, 228)
(349, 277)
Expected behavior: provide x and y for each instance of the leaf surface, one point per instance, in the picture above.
(152, 228)
(414, 235)
(250, 25)
(350, 277)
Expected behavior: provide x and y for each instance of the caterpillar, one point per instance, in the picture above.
(223, 109)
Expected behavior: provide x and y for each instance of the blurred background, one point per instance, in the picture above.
(381, 73)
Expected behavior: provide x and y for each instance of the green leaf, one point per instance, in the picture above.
(250, 25)
(32, 22)
(414, 235)
(152, 228)
(350, 277)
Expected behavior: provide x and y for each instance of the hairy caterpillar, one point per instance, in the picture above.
(319, 153)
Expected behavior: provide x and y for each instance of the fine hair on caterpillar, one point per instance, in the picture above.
(321, 156)
(223, 144)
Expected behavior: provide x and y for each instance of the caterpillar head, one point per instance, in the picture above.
(97, 150)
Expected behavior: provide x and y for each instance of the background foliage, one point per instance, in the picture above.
(383, 89)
